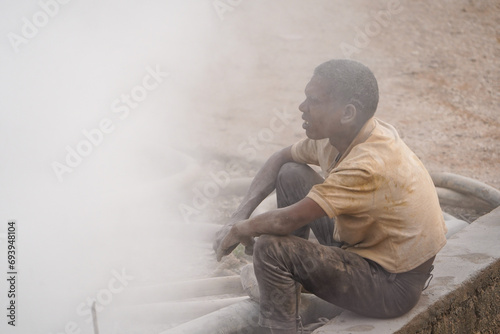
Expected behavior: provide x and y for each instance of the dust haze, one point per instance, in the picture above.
(112, 112)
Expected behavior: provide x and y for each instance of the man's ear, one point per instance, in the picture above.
(349, 114)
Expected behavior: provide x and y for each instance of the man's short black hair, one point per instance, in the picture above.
(351, 82)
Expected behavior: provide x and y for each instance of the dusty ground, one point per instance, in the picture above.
(437, 63)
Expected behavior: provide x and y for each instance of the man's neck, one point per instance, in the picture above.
(343, 143)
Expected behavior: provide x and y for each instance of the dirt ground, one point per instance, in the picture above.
(437, 64)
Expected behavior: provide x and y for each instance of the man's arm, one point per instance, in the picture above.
(262, 185)
(281, 221)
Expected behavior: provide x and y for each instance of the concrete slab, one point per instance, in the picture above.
(468, 265)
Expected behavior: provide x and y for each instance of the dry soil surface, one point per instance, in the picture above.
(437, 64)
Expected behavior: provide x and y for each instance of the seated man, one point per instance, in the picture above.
(376, 213)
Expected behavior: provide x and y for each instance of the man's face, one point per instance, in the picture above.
(321, 113)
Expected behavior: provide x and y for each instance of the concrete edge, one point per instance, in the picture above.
(467, 309)
(469, 260)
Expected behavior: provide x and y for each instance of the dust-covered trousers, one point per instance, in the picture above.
(343, 278)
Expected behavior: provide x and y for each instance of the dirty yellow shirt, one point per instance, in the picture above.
(384, 200)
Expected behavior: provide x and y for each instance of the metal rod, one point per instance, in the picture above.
(94, 319)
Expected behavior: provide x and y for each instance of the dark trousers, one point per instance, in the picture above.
(293, 183)
(340, 277)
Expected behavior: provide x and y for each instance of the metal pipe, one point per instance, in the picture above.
(242, 318)
(229, 285)
(172, 312)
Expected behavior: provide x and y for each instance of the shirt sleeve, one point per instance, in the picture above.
(346, 191)
(305, 152)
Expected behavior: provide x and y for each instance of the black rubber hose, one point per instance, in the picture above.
(468, 186)
(452, 198)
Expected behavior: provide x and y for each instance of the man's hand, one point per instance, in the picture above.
(221, 234)
(282, 221)
(230, 241)
(262, 185)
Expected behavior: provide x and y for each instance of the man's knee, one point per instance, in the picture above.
(267, 246)
(264, 243)
(291, 170)
(297, 173)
